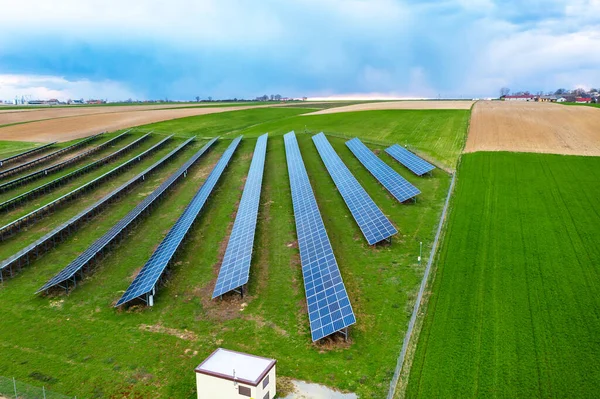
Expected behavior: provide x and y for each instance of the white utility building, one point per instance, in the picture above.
(228, 374)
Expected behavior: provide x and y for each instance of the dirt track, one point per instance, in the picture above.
(398, 105)
(64, 129)
(534, 127)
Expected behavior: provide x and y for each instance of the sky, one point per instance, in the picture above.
(180, 49)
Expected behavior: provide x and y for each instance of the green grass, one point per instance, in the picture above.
(588, 105)
(9, 148)
(514, 308)
(88, 349)
(438, 134)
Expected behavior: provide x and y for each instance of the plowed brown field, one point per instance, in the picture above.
(534, 127)
(69, 128)
(8, 116)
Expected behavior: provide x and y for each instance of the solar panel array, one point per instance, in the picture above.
(146, 280)
(70, 271)
(371, 221)
(15, 157)
(33, 216)
(30, 164)
(416, 164)
(44, 188)
(397, 185)
(39, 246)
(329, 308)
(235, 269)
(59, 166)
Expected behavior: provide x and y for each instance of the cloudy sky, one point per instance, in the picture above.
(179, 49)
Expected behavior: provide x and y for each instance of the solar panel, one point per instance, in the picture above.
(46, 187)
(371, 221)
(329, 308)
(397, 185)
(35, 215)
(70, 271)
(145, 282)
(235, 269)
(61, 165)
(40, 246)
(416, 164)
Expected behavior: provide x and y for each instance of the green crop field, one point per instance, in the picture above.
(514, 305)
(78, 344)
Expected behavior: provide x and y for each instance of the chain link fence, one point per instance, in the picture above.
(11, 388)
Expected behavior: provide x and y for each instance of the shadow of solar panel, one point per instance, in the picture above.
(25, 153)
(144, 284)
(69, 273)
(397, 185)
(329, 308)
(371, 221)
(235, 269)
(416, 164)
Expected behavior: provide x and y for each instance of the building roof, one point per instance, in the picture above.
(248, 369)
(583, 99)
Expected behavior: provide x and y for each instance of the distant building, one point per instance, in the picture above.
(228, 374)
(523, 97)
(583, 100)
(96, 102)
(547, 99)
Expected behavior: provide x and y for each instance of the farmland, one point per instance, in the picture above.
(78, 344)
(514, 304)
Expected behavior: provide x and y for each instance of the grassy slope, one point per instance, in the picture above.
(514, 309)
(9, 148)
(89, 352)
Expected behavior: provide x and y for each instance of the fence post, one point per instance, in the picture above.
(44, 391)
(15, 386)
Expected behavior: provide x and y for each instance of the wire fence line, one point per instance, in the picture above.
(11, 388)
(413, 317)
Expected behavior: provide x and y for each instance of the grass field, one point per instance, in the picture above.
(79, 345)
(587, 105)
(439, 134)
(514, 305)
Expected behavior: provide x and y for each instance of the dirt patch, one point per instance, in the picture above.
(69, 128)
(397, 105)
(181, 334)
(534, 127)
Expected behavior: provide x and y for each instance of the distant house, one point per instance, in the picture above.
(523, 97)
(561, 100)
(96, 101)
(546, 99)
(583, 100)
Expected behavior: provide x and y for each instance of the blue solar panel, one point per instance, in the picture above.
(397, 185)
(372, 222)
(235, 270)
(148, 277)
(329, 308)
(70, 271)
(416, 164)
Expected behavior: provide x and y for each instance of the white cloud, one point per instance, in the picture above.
(45, 87)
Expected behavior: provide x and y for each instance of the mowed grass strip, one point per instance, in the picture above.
(514, 305)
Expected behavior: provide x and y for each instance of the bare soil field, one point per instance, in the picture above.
(64, 129)
(8, 116)
(534, 127)
(398, 105)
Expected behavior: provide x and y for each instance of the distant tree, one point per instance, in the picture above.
(504, 91)
(197, 99)
(593, 90)
(209, 98)
(277, 97)
(560, 92)
(579, 91)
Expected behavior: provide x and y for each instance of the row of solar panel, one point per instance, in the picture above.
(47, 157)
(34, 215)
(38, 247)
(70, 271)
(77, 172)
(59, 166)
(328, 304)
